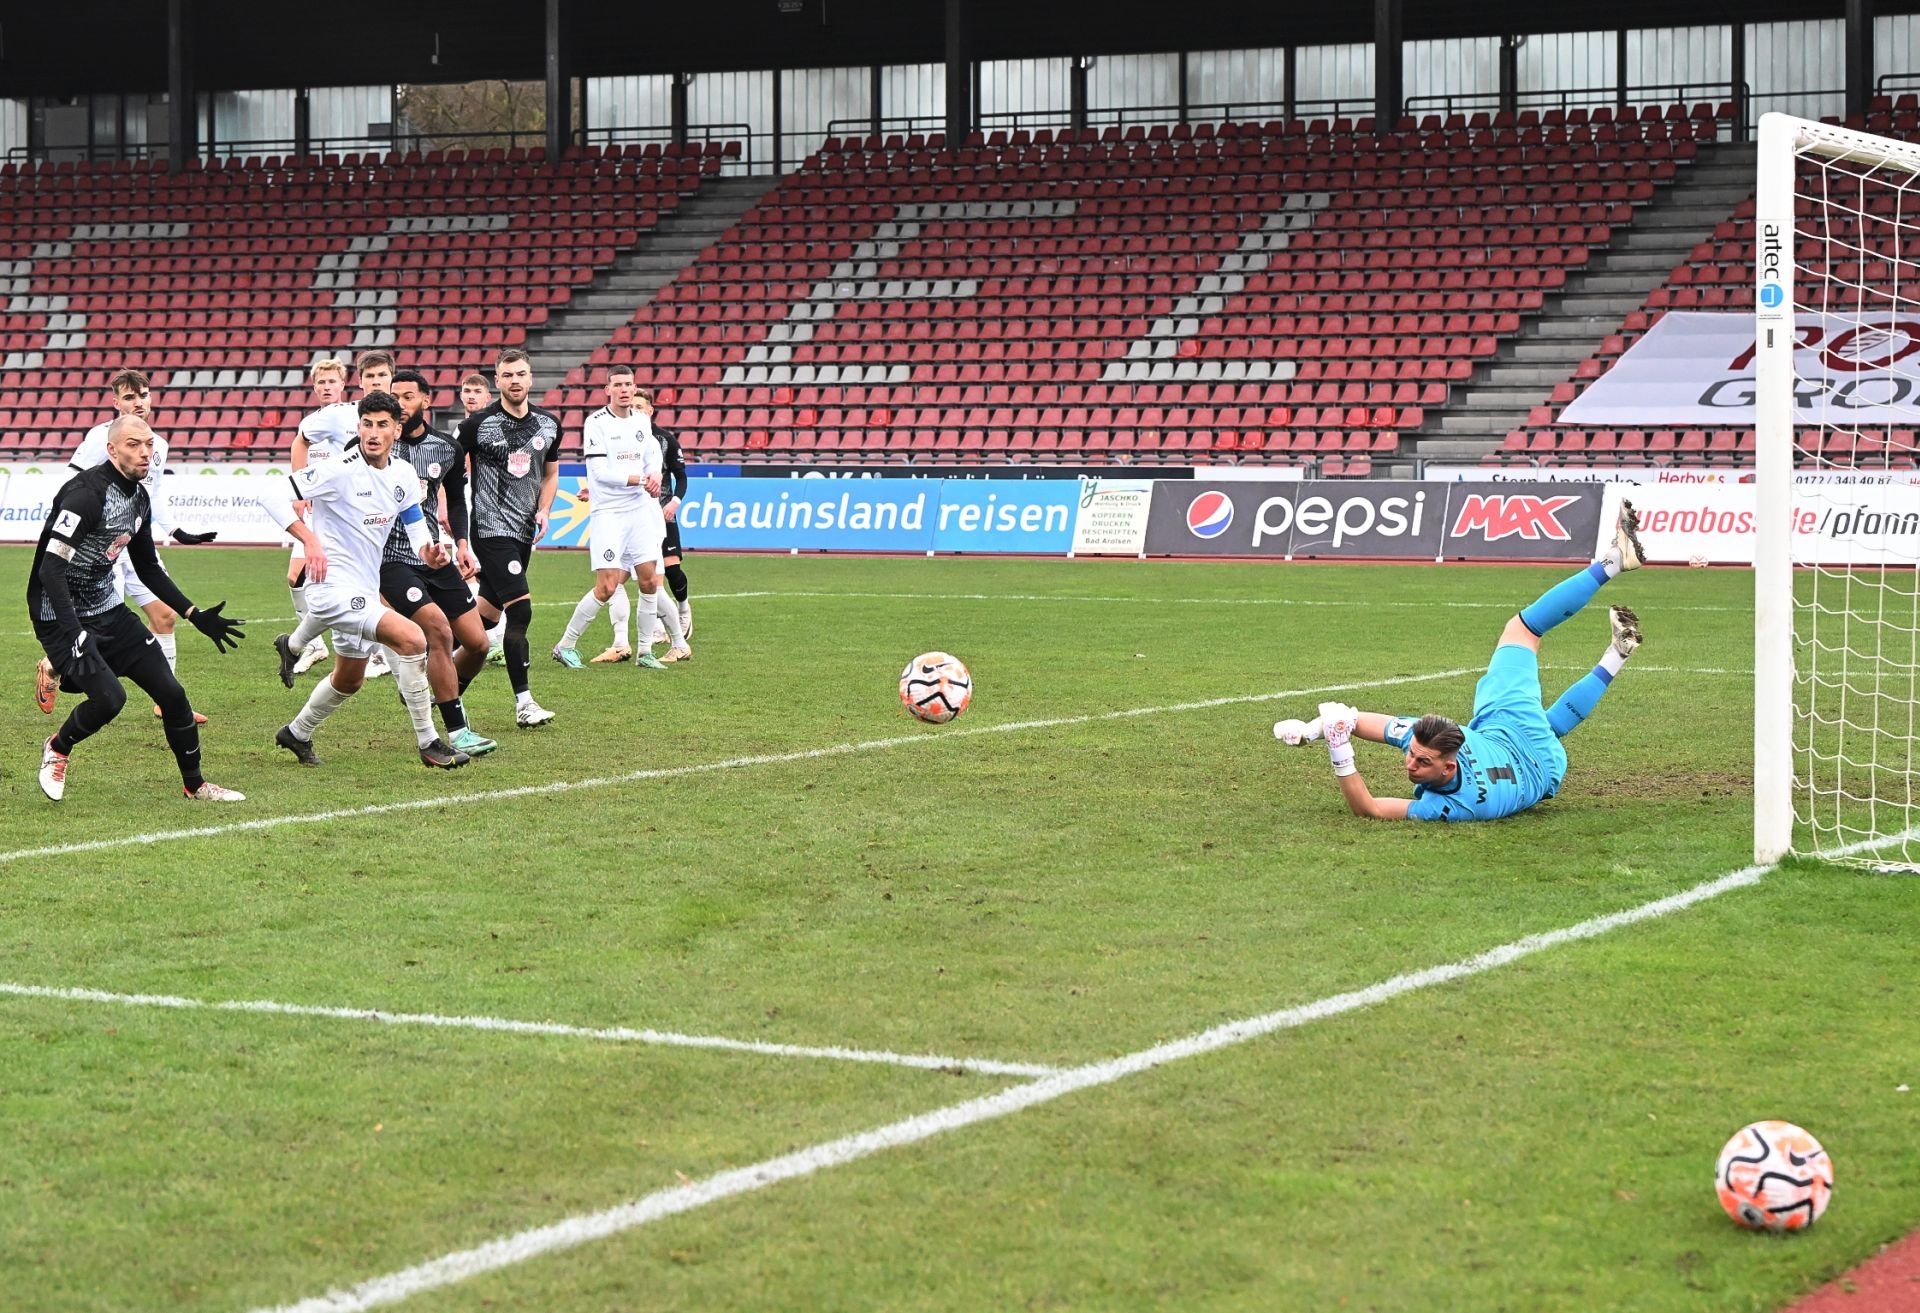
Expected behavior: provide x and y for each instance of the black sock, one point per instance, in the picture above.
(452, 715)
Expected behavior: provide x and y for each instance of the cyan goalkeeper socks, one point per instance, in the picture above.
(1564, 599)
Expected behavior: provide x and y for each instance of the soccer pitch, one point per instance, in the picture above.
(1095, 998)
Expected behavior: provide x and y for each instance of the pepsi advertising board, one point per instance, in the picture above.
(1369, 520)
(1297, 519)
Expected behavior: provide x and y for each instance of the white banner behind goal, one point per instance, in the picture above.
(1837, 643)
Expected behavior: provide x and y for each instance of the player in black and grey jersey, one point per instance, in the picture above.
(513, 449)
(90, 638)
(437, 599)
(673, 487)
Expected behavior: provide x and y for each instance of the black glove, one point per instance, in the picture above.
(186, 539)
(225, 633)
(85, 659)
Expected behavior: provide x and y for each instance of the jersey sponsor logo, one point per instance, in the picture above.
(65, 523)
(518, 463)
(1502, 515)
(375, 521)
(1209, 515)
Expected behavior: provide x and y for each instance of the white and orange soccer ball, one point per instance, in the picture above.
(1773, 1176)
(936, 687)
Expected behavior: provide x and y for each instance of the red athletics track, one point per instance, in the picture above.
(1889, 1282)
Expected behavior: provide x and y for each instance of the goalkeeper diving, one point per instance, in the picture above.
(1508, 756)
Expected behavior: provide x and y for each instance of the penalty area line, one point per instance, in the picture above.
(698, 768)
(608, 1034)
(572, 1232)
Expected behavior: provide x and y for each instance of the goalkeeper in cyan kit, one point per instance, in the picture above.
(1508, 757)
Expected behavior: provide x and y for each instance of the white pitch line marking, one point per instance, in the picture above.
(572, 1232)
(1150, 601)
(699, 768)
(610, 1034)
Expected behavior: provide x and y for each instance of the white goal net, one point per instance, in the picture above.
(1837, 634)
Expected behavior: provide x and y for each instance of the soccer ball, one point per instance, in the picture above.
(936, 687)
(1773, 1176)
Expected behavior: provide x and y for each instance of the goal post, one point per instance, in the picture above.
(1837, 384)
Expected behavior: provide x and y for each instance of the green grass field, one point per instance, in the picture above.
(1539, 1136)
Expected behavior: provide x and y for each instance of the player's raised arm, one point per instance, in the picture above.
(1339, 724)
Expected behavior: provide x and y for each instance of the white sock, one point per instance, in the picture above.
(1611, 562)
(660, 603)
(321, 703)
(1611, 661)
(169, 645)
(410, 673)
(521, 699)
(306, 631)
(620, 611)
(585, 611)
(298, 592)
(686, 614)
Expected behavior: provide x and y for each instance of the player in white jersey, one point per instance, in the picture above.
(132, 395)
(374, 372)
(355, 500)
(625, 526)
(323, 435)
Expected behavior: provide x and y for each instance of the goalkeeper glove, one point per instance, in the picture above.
(1337, 722)
(225, 633)
(1295, 732)
(85, 658)
(186, 539)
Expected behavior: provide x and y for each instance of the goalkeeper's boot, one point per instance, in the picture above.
(289, 659)
(568, 657)
(211, 792)
(1626, 539)
(437, 753)
(53, 771)
(531, 713)
(472, 742)
(302, 749)
(46, 686)
(647, 661)
(1626, 630)
(613, 656)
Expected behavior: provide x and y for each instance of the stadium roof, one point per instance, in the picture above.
(109, 45)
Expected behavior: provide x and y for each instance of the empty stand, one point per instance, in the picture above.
(1718, 276)
(224, 283)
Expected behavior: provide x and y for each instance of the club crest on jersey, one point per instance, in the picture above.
(518, 463)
